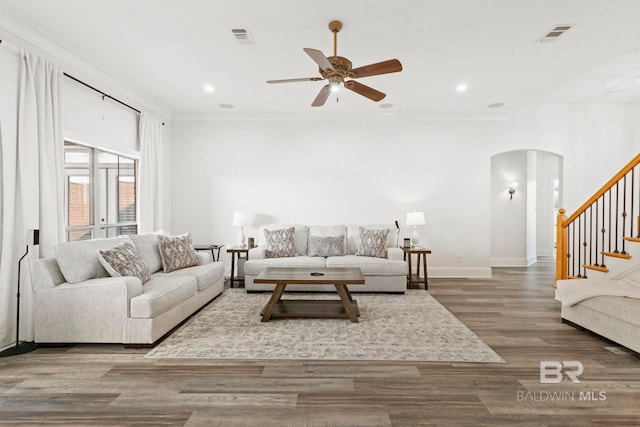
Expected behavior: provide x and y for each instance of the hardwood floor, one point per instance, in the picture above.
(514, 313)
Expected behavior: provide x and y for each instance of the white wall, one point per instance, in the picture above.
(509, 215)
(532, 190)
(548, 169)
(375, 171)
(339, 172)
(601, 140)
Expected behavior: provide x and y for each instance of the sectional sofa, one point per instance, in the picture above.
(77, 301)
(610, 308)
(384, 273)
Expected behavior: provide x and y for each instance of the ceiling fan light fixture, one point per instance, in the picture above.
(334, 82)
(335, 69)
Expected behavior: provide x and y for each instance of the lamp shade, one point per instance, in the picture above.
(415, 218)
(242, 218)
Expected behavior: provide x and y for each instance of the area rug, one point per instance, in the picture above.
(411, 327)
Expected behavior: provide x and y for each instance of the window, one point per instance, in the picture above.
(100, 193)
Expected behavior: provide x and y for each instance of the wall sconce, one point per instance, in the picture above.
(512, 189)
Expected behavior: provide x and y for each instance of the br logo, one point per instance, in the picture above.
(551, 371)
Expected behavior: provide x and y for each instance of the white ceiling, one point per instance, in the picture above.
(166, 50)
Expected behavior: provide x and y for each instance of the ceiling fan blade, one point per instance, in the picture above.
(320, 59)
(322, 96)
(364, 90)
(384, 67)
(304, 79)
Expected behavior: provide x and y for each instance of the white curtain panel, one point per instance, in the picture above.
(151, 175)
(32, 186)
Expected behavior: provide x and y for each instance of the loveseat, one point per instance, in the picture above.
(610, 308)
(330, 246)
(76, 300)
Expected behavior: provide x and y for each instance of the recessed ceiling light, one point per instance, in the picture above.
(496, 105)
(209, 88)
(461, 87)
(226, 106)
(387, 105)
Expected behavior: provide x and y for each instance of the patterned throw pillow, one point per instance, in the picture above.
(124, 260)
(373, 243)
(177, 252)
(326, 246)
(280, 242)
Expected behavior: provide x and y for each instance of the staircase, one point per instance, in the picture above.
(602, 237)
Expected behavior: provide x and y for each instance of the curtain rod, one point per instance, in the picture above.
(103, 94)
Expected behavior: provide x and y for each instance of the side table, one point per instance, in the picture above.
(212, 248)
(415, 278)
(236, 253)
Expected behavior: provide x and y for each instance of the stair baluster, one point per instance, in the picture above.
(589, 235)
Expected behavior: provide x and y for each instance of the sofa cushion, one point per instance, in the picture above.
(625, 309)
(149, 249)
(205, 274)
(162, 293)
(353, 236)
(326, 246)
(255, 266)
(124, 260)
(281, 242)
(329, 231)
(301, 235)
(370, 266)
(373, 243)
(177, 252)
(78, 261)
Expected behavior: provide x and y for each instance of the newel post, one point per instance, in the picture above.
(562, 243)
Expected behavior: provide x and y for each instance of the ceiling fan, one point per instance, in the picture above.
(336, 69)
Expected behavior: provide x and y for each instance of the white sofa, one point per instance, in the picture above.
(76, 301)
(610, 308)
(380, 274)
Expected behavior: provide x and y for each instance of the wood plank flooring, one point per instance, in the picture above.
(514, 313)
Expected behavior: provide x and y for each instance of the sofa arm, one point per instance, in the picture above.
(45, 274)
(203, 258)
(94, 310)
(257, 253)
(395, 254)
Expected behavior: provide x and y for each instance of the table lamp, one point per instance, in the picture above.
(241, 219)
(415, 219)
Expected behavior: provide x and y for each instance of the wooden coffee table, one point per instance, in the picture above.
(345, 307)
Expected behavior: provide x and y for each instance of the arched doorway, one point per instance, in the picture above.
(525, 195)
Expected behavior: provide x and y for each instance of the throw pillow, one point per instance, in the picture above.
(373, 243)
(280, 242)
(176, 252)
(326, 246)
(124, 260)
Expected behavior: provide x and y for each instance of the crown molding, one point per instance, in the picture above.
(21, 33)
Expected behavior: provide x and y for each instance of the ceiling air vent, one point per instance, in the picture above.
(242, 35)
(554, 34)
